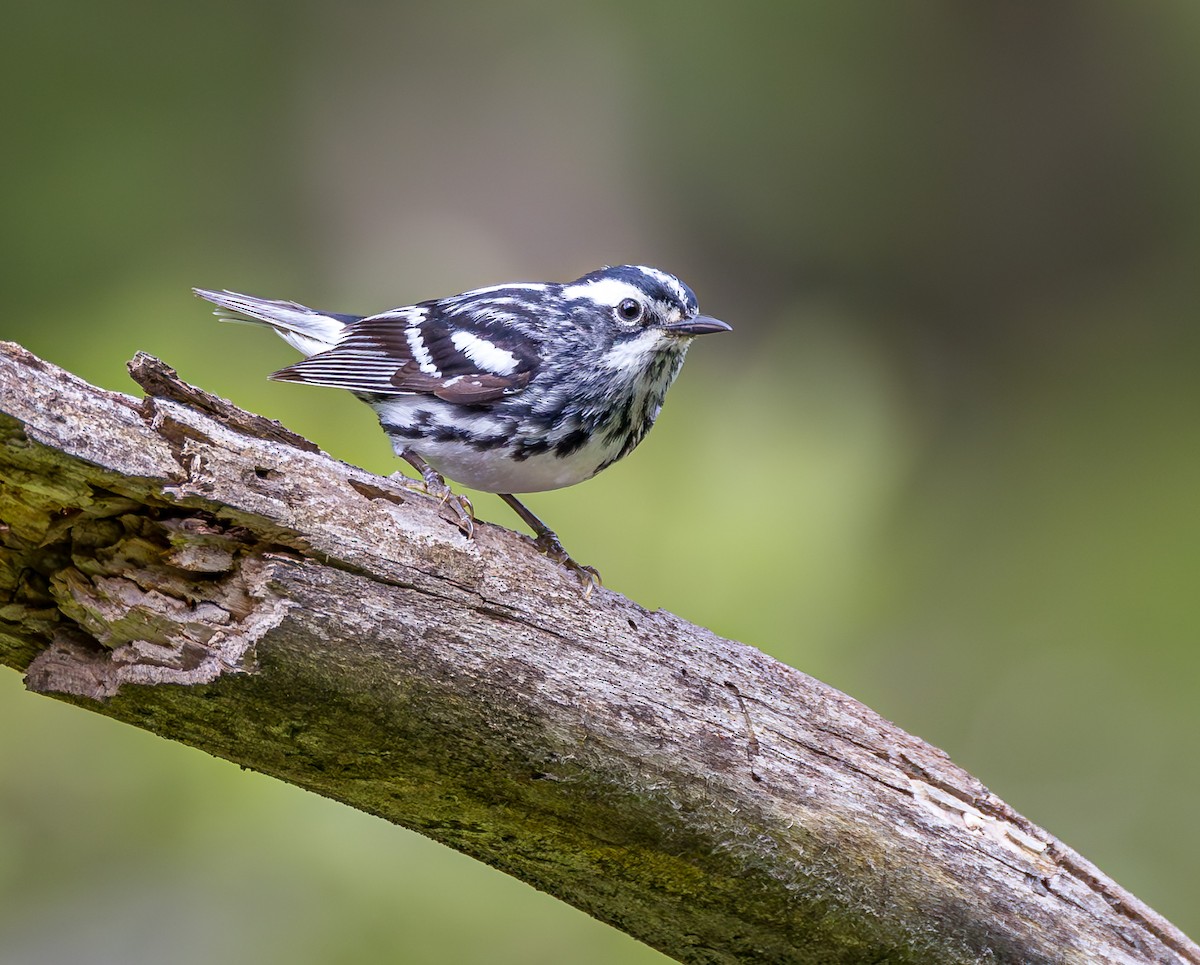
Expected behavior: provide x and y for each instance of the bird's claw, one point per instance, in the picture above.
(462, 512)
(548, 543)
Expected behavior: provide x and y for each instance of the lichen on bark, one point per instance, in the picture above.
(101, 587)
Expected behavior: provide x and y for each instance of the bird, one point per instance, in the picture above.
(513, 388)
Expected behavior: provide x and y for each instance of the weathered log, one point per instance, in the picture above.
(205, 574)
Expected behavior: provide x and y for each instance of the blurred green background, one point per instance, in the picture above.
(947, 462)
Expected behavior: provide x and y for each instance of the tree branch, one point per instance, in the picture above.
(205, 574)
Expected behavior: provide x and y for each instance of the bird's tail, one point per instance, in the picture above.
(305, 329)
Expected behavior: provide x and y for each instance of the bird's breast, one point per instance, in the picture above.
(517, 445)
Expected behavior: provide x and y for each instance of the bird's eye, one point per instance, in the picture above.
(630, 310)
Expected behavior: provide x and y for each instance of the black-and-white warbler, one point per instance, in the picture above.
(514, 388)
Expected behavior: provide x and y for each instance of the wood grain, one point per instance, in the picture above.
(206, 575)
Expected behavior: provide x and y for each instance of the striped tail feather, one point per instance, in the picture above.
(305, 329)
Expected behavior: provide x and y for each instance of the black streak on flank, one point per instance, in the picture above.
(572, 442)
(619, 424)
(534, 447)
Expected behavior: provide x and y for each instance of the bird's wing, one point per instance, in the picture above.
(455, 349)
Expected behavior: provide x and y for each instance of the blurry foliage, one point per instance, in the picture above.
(947, 461)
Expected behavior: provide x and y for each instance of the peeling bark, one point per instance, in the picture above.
(205, 574)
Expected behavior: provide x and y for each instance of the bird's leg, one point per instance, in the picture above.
(435, 485)
(547, 541)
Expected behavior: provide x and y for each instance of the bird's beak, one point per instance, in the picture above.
(698, 325)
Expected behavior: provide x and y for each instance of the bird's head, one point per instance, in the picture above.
(644, 312)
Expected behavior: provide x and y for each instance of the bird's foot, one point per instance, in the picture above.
(460, 512)
(548, 543)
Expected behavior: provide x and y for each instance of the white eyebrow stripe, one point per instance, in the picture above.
(419, 352)
(485, 354)
(604, 291)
